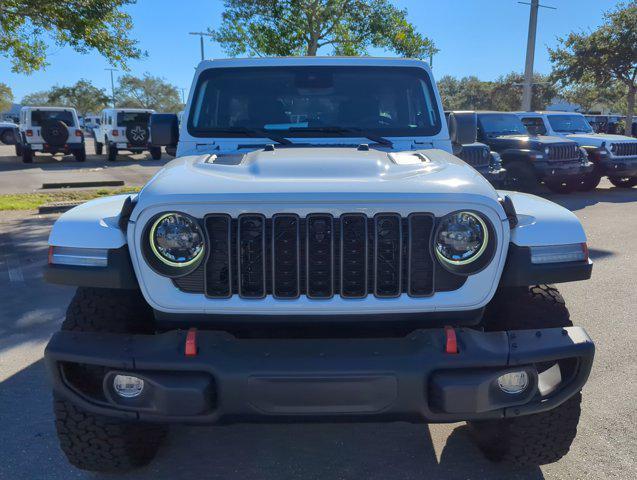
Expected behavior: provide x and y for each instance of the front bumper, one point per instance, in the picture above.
(494, 176)
(562, 171)
(619, 167)
(230, 379)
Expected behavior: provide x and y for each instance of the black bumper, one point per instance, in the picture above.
(273, 380)
(619, 167)
(494, 176)
(562, 171)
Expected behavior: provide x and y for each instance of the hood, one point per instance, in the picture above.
(314, 171)
(596, 139)
(524, 141)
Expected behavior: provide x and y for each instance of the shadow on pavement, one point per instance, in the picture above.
(580, 200)
(396, 451)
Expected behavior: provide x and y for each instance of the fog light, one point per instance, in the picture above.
(513, 382)
(127, 386)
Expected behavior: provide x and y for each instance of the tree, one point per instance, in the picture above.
(507, 91)
(6, 97)
(84, 25)
(603, 56)
(148, 92)
(590, 97)
(302, 27)
(83, 96)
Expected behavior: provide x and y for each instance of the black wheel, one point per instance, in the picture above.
(111, 151)
(589, 182)
(80, 155)
(561, 186)
(99, 147)
(7, 137)
(27, 155)
(94, 442)
(623, 182)
(543, 437)
(155, 153)
(520, 177)
(18, 149)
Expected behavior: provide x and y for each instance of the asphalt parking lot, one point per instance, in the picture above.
(606, 446)
(17, 177)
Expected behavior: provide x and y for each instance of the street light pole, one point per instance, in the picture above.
(112, 84)
(201, 35)
(527, 94)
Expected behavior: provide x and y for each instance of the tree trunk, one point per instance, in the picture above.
(312, 46)
(630, 110)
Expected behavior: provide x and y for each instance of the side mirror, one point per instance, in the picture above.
(463, 128)
(164, 129)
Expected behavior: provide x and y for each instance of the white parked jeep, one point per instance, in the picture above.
(124, 129)
(316, 252)
(50, 130)
(614, 156)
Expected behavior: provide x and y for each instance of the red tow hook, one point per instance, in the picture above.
(451, 342)
(191, 343)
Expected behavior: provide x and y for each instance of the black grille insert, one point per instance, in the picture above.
(320, 255)
(354, 256)
(421, 263)
(285, 256)
(251, 254)
(388, 254)
(218, 268)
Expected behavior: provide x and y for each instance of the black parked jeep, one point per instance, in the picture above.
(485, 161)
(557, 162)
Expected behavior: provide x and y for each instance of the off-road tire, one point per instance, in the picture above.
(8, 137)
(18, 148)
(27, 155)
(623, 182)
(540, 438)
(561, 187)
(520, 177)
(95, 442)
(589, 182)
(111, 151)
(99, 148)
(80, 155)
(155, 153)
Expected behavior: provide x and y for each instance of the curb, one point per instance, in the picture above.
(57, 207)
(102, 183)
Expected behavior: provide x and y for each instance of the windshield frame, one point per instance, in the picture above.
(313, 132)
(562, 115)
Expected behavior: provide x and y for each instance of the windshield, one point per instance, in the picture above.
(124, 119)
(569, 124)
(314, 102)
(40, 117)
(501, 124)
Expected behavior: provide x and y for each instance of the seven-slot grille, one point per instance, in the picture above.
(476, 156)
(627, 149)
(319, 256)
(563, 152)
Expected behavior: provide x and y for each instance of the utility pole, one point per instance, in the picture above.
(112, 84)
(201, 35)
(183, 95)
(527, 94)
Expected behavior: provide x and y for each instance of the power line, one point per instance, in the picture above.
(201, 35)
(527, 94)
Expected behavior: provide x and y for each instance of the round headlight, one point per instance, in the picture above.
(461, 240)
(175, 244)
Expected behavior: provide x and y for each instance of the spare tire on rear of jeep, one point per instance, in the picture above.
(55, 133)
(137, 134)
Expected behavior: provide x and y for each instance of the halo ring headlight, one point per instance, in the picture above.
(174, 244)
(464, 242)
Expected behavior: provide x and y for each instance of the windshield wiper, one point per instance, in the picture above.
(260, 132)
(343, 130)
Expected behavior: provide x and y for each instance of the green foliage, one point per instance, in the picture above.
(302, 27)
(604, 57)
(591, 97)
(471, 93)
(83, 96)
(148, 92)
(26, 26)
(6, 97)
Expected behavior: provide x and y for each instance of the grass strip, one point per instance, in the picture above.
(31, 201)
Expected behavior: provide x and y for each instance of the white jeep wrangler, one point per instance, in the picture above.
(316, 252)
(50, 130)
(124, 129)
(614, 156)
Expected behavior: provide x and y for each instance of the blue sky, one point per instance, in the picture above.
(486, 38)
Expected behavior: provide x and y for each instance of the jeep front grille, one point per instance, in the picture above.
(475, 156)
(628, 149)
(320, 256)
(563, 152)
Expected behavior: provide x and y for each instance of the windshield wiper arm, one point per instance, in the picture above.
(255, 131)
(342, 130)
